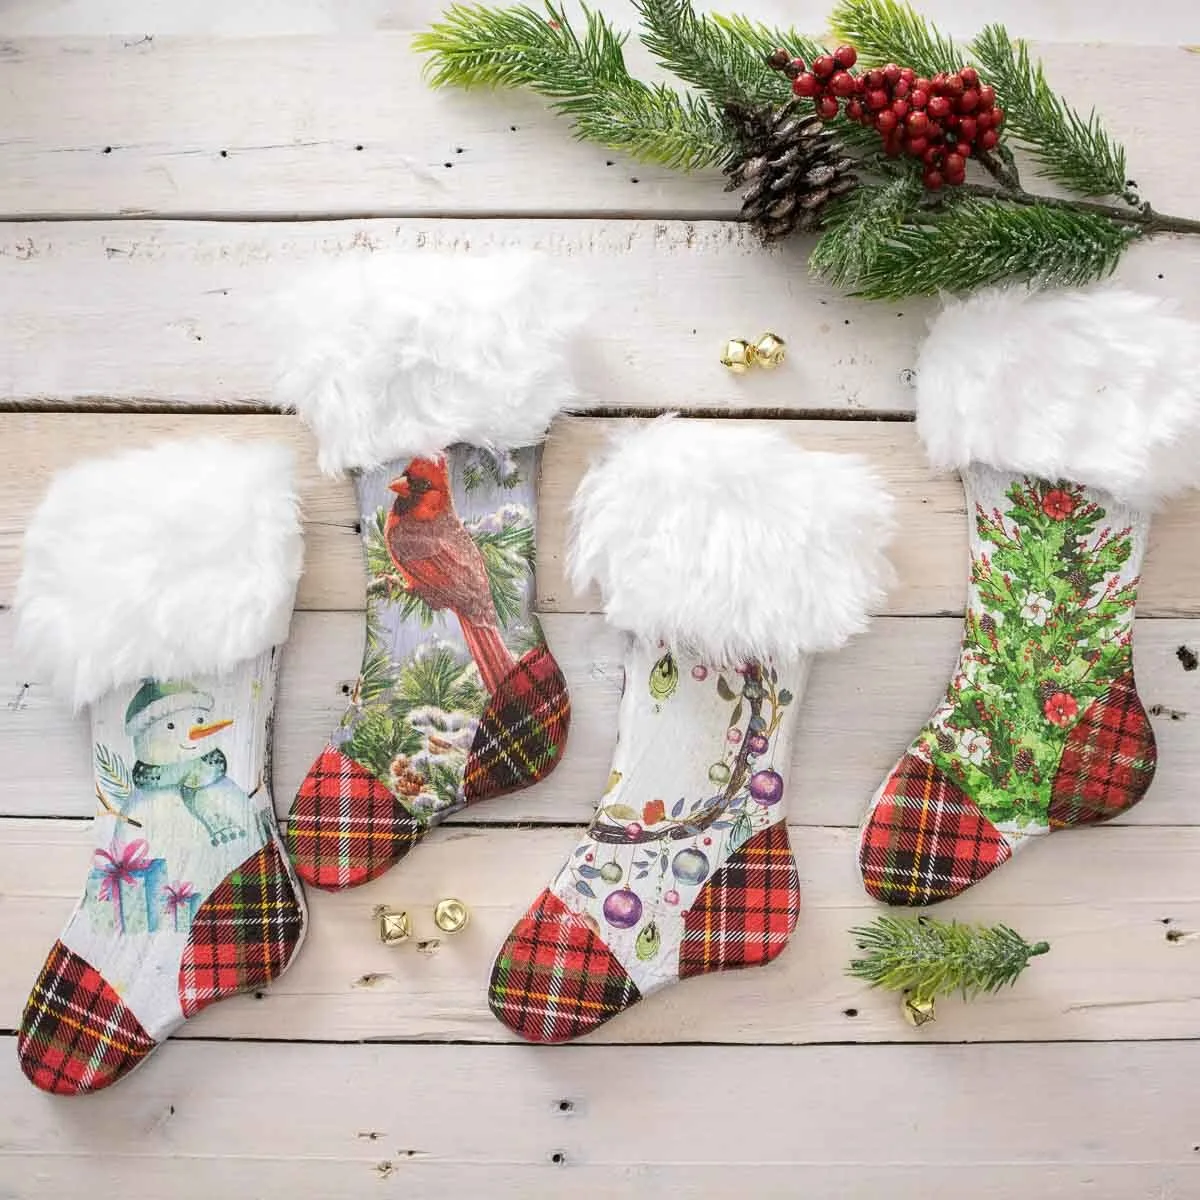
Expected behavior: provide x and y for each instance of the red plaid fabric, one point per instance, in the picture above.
(745, 914)
(1108, 761)
(346, 827)
(926, 839)
(523, 730)
(244, 934)
(76, 1035)
(554, 979)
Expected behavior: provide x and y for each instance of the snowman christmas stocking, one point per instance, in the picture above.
(432, 380)
(728, 556)
(1069, 422)
(155, 589)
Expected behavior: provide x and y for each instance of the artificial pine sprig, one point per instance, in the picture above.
(884, 31)
(927, 958)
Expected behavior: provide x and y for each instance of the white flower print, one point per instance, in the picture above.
(974, 746)
(1036, 608)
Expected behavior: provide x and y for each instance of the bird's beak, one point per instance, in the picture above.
(399, 485)
(202, 731)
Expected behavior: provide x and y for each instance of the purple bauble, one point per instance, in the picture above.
(623, 908)
(758, 743)
(766, 787)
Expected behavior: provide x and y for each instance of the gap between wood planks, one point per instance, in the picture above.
(398, 214)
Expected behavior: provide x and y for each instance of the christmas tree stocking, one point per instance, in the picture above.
(1069, 421)
(155, 589)
(728, 556)
(432, 380)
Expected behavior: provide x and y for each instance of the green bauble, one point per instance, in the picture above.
(648, 942)
(718, 773)
(664, 678)
(611, 872)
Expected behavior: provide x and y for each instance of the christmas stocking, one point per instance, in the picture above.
(432, 379)
(728, 556)
(1069, 421)
(155, 588)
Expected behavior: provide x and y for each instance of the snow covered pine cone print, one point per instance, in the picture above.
(687, 867)
(1041, 727)
(432, 378)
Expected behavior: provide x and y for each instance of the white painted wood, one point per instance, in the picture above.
(700, 1122)
(177, 313)
(929, 552)
(1106, 899)
(861, 708)
(1062, 21)
(272, 126)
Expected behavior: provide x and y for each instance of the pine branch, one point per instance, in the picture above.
(890, 31)
(702, 52)
(763, 39)
(931, 958)
(968, 243)
(859, 227)
(584, 76)
(1072, 150)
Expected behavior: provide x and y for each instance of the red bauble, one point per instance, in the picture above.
(805, 85)
(843, 84)
(824, 66)
(845, 56)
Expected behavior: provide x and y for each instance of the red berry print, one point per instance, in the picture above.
(1060, 708)
(1057, 504)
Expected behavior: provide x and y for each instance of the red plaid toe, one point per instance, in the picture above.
(747, 911)
(76, 1035)
(1108, 761)
(346, 827)
(554, 979)
(926, 839)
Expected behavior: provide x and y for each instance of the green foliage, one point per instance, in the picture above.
(380, 735)
(487, 466)
(112, 775)
(508, 556)
(584, 75)
(435, 678)
(1072, 150)
(1052, 618)
(885, 31)
(861, 227)
(966, 243)
(929, 958)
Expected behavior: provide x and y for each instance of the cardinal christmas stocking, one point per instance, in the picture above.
(432, 379)
(155, 588)
(1068, 422)
(728, 556)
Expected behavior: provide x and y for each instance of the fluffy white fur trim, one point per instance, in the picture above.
(728, 541)
(396, 355)
(179, 559)
(1098, 386)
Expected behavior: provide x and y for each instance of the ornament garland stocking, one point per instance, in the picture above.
(432, 380)
(1069, 422)
(155, 589)
(728, 556)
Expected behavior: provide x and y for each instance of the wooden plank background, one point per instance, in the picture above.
(163, 171)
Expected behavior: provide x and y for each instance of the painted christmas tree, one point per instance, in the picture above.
(1048, 632)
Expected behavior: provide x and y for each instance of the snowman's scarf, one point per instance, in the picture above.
(186, 776)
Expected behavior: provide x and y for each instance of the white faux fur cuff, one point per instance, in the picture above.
(1100, 386)
(727, 541)
(398, 355)
(174, 560)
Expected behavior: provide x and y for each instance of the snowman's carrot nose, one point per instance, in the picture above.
(202, 731)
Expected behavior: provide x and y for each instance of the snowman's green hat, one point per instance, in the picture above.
(156, 699)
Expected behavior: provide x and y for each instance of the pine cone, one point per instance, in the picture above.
(1048, 688)
(987, 623)
(1023, 761)
(945, 742)
(789, 166)
(1078, 580)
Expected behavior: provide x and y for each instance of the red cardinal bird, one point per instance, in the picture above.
(442, 564)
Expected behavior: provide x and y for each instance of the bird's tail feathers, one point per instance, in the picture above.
(491, 655)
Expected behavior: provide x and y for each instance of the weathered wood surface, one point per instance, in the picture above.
(862, 706)
(929, 552)
(1120, 907)
(991, 1122)
(179, 313)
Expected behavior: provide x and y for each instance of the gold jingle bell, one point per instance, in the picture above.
(394, 926)
(769, 351)
(451, 915)
(917, 1011)
(738, 356)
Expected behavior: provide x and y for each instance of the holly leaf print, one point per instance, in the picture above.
(584, 889)
(724, 690)
(588, 871)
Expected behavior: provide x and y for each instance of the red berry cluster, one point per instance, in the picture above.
(941, 121)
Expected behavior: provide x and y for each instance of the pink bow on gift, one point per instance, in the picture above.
(121, 866)
(176, 894)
